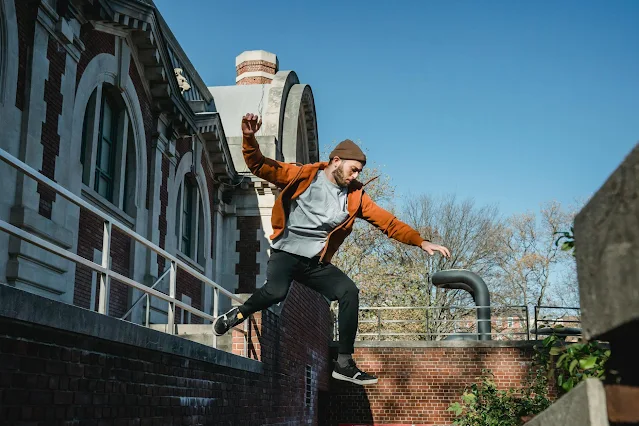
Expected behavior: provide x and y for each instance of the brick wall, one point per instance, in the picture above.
(90, 235)
(95, 42)
(189, 286)
(248, 246)
(264, 66)
(252, 66)
(164, 202)
(50, 137)
(416, 385)
(26, 13)
(286, 344)
(49, 376)
(182, 146)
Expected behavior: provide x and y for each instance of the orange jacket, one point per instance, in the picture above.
(294, 180)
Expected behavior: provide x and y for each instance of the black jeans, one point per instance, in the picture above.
(327, 279)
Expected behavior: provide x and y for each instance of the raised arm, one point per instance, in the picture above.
(276, 172)
(394, 228)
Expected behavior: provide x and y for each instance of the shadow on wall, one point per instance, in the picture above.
(344, 404)
(352, 408)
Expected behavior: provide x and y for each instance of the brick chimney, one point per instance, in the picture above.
(255, 67)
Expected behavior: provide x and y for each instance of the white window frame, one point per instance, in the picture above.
(195, 257)
(115, 205)
(186, 299)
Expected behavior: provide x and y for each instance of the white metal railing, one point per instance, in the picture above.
(437, 322)
(103, 269)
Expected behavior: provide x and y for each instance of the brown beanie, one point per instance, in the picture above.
(348, 150)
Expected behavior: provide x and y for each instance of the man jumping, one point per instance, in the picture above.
(312, 216)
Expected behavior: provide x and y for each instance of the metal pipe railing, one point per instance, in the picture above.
(372, 321)
(103, 269)
(473, 284)
(164, 274)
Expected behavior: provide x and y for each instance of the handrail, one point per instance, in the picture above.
(106, 274)
(144, 295)
(39, 242)
(32, 173)
(438, 307)
(372, 321)
(372, 317)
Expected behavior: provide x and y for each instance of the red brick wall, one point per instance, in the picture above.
(249, 66)
(182, 146)
(90, 235)
(164, 202)
(291, 341)
(264, 66)
(26, 13)
(191, 287)
(416, 385)
(50, 137)
(95, 42)
(248, 246)
(48, 376)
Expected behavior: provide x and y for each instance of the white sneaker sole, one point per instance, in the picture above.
(339, 376)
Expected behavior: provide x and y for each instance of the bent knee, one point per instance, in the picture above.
(349, 290)
(276, 294)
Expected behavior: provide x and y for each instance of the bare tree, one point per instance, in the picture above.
(531, 260)
(516, 257)
(390, 273)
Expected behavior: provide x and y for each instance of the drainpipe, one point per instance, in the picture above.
(465, 280)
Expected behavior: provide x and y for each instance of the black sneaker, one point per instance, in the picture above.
(352, 374)
(225, 322)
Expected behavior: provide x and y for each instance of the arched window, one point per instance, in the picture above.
(189, 224)
(108, 149)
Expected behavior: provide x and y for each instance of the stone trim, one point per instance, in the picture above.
(256, 56)
(26, 307)
(242, 75)
(254, 80)
(446, 344)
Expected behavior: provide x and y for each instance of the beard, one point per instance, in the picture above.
(340, 177)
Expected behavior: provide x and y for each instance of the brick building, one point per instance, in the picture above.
(100, 97)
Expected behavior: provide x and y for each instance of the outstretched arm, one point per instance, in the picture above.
(273, 171)
(395, 228)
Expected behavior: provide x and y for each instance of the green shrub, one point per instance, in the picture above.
(482, 404)
(571, 363)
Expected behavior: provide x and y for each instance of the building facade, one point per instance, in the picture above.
(100, 97)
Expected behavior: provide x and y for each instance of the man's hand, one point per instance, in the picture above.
(250, 124)
(431, 248)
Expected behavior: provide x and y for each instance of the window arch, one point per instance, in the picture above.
(190, 231)
(108, 149)
(3, 59)
(9, 54)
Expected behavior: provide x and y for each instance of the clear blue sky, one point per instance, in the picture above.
(514, 103)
